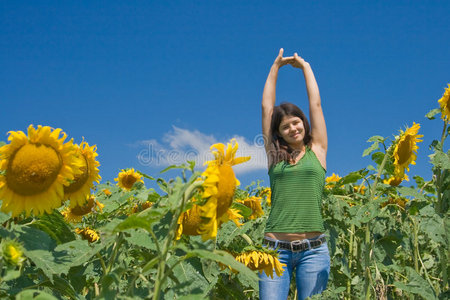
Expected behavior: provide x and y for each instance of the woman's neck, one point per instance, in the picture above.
(300, 147)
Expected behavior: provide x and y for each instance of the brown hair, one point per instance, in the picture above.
(283, 150)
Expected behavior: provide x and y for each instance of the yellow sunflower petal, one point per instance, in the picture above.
(35, 168)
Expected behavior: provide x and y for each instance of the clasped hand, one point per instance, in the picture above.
(296, 61)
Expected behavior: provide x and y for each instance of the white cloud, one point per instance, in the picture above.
(182, 145)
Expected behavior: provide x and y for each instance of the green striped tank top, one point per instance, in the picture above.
(297, 195)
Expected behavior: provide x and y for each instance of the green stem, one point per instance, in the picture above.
(247, 239)
(102, 262)
(117, 244)
(161, 273)
(367, 250)
(367, 240)
(444, 132)
(350, 258)
(440, 210)
(416, 244)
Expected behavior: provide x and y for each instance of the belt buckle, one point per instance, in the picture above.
(296, 243)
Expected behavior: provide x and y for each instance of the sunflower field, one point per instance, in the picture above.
(66, 236)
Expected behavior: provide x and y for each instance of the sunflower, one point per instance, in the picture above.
(87, 234)
(395, 181)
(232, 215)
(75, 214)
(398, 201)
(219, 186)
(406, 149)
(444, 103)
(189, 222)
(107, 192)
(12, 252)
(81, 186)
(127, 178)
(34, 170)
(332, 180)
(359, 189)
(141, 206)
(266, 192)
(261, 261)
(255, 204)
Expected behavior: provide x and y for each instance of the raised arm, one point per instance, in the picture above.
(269, 95)
(318, 127)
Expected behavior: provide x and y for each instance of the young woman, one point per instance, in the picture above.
(296, 154)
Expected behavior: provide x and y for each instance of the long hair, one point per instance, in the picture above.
(282, 150)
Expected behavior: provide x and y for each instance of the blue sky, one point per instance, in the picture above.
(154, 82)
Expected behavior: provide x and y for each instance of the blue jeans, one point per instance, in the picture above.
(311, 267)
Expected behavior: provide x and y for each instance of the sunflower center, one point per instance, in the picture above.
(405, 150)
(191, 221)
(128, 181)
(33, 169)
(225, 189)
(79, 179)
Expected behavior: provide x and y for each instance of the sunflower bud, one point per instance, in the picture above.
(12, 252)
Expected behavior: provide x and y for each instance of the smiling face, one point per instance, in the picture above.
(292, 131)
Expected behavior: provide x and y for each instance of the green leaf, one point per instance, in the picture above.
(11, 275)
(430, 115)
(416, 285)
(62, 286)
(376, 138)
(146, 176)
(139, 221)
(434, 228)
(55, 226)
(222, 257)
(378, 157)
(48, 263)
(245, 211)
(34, 294)
(440, 160)
(192, 297)
(141, 238)
(75, 252)
(373, 147)
(4, 217)
(351, 178)
(190, 166)
(410, 192)
(189, 274)
(33, 238)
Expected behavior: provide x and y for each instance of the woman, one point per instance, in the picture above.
(296, 154)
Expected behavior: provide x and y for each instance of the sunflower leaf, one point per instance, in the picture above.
(376, 138)
(55, 226)
(138, 221)
(410, 192)
(244, 210)
(4, 217)
(440, 160)
(221, 257)
(416, 285)
(351, 177)
(146, 176)
(373, 147)
(430, 115)
(188, 166)
(34, 294)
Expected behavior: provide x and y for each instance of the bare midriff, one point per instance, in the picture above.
(282, 236)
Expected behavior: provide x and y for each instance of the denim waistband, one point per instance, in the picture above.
(297, 245)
